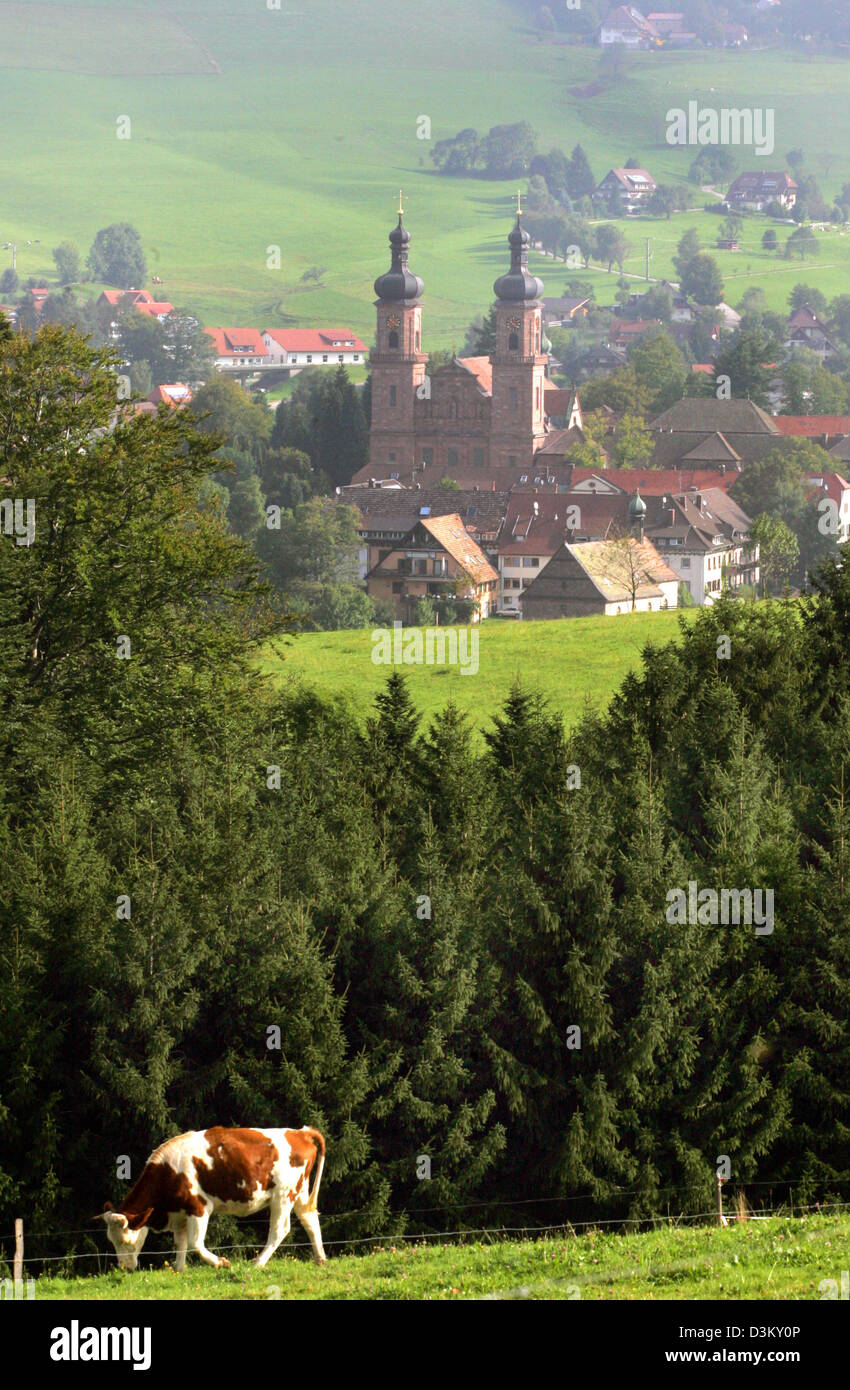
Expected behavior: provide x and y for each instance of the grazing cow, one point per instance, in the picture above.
(234, 1171)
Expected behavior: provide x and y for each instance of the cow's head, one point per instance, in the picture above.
(128, 1236)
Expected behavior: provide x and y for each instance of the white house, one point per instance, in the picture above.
(627, 26)
(237, 347)
(313, 347)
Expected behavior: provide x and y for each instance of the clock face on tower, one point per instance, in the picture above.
(393, 321)
(513, 324)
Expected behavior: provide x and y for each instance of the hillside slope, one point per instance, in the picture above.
(253, 128)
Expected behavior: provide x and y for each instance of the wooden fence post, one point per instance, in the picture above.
(721, 1219)
(18, 1264)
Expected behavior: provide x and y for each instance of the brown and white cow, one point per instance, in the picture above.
(233, 1171)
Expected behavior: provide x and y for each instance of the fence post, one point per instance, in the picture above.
(721, 1219)
(18, 1264)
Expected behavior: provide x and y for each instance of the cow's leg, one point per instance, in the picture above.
(196, 1229)
(180, 1246)
(280, 1209)
(310, 1221)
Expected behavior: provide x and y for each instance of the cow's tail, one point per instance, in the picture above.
(319, 1141)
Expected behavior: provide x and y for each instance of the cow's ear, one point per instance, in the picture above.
(142, 1219)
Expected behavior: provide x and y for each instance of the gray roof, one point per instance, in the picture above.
(707, 415)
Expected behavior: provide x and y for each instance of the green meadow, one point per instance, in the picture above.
(576, 664)
(253, 127)
(779, 1258)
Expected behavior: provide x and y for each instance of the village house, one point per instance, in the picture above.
(704, 538)
(624, 332)
(237, 347)
(632, 186)
(806, 330)
(564, 311)
(835, 488)
(298, 348)
(627, 26)
(757, 191)
(534, 530)
(602, 577)
(436, 559)
(671, 28)
(108, 301)
(175, 395)
(389, 512)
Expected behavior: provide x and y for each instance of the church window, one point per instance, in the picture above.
(393, 338)
(478, 458)
(393, 394)
(453, 410)
(512, 397)
(417, 340)
(428, 456)
(513, 342)
(452, 458)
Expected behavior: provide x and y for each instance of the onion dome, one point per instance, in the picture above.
(519, 284)
(399, 282)
(637, 507)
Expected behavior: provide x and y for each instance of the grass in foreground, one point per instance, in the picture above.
(575, 663)
(778, 1258)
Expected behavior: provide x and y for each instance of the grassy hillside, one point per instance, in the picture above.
(295, 127)
(576, 663)
(779, 1258)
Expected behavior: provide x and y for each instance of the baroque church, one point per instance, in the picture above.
(476, 416)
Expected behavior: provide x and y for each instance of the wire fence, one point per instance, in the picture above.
(383, 1238)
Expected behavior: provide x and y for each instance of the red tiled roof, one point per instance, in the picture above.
(315, 339)
(137, 296)
(175, 394)
(154, 306)
(655, 481)
(833, 485)
(452, 535)
(230, 342)
(809, 426)
(482, 370)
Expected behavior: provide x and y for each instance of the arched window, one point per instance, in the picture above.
(453, 410)
(513, 342)
(393, 339)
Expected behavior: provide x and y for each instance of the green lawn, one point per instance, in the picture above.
(576, 663)
(295, 127)
(778, 1258)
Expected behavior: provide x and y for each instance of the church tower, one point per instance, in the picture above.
(398, 363)
(519, 362)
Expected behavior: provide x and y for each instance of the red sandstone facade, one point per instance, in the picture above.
(474, 413)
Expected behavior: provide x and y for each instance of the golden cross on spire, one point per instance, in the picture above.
(518, 202)
(400, 208)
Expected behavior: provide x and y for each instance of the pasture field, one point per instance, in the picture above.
(575, 663)
(777, 1258)
(254, 127)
